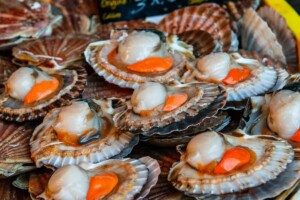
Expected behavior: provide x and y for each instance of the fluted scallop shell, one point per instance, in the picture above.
(204, 100)
(47, 149)
(53, 52)
(98, 88)
(96, 55)
(105, 29)
(136, 177)
(15, 16)
(202, 42)
(207, 17)
(257, 36)
(286, 180)
(216, 123)
(74, 80)
(272, 156)
(283, 34)
(78, 17)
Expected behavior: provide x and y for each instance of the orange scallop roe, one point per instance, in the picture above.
(153, 64)
(174, 101)
(41, 90)
(101, 185)
(233, 159)
(296, 136)
(236, 75)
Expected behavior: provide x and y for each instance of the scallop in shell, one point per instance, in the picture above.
(56, 52)
(217, 67)
(201, 170)
(149, 115)
(69, 83)
(207, 17)
(58, 142)
(257, 36)
(117, 60)
(135, 178)
(275, 114)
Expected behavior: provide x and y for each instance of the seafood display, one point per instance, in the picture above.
(201, 103)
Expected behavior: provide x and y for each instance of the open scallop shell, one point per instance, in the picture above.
(55, 52)
(273, 155)
(98, 88)
(96, 55)
(74, 80)
(6, 69)
(8, 191)
(136, 176)
(204, 100)
(286, 180)
(257, 36)
(283, 34)
(207, 17)
(47, 149)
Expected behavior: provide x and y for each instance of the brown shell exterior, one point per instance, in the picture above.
(15, 142)
(257, 36)
(98, 88)
(75, 77)
(207, 17)
(105, 29)
(55, 50)
(285, 37)
(19, 18)
(205, 99)
(202, 42)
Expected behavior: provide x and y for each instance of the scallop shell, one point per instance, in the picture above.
(202, 41)
(273, 155)
(204, 100)
(285, 37)
(207, 17)
(53, 52)
(257, 36)
(216, 123)
(96, 55)
(22, 181)
(286, 180)
(23, 19)
(98, 88)
(136, 177)
(105, 29)
(47, 149)
(74, 82)
(15, 150)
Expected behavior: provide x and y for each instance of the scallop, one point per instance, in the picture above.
(215, 67)
(269, 157)
(81, 132)
(13, 107)
(201, 101)
(135, 178)
(284, 111)
(111, 58)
